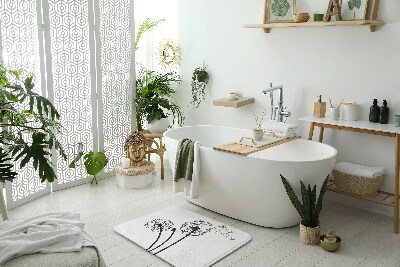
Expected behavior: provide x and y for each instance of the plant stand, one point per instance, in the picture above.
(151, 138)
(2, 204)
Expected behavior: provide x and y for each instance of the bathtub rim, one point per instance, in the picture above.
(333, 155)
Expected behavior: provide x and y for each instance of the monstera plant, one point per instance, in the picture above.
(29, 125)
(94, 162)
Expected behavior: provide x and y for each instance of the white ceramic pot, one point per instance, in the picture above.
(350, 112)
(158, 126)
(335, 114)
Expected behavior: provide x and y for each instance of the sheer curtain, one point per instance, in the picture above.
(82, 55)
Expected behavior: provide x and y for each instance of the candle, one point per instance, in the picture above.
(318, 16)
(126, 163)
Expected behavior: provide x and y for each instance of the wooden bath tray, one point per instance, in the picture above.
(245, 150)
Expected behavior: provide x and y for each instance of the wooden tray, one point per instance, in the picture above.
(245, 150)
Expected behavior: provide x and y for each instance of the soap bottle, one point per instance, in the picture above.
(384, 114)
(374, 112)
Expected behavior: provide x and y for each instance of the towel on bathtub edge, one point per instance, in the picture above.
(184, 160)
(187, 168)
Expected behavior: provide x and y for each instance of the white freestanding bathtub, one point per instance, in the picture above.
(249, 188)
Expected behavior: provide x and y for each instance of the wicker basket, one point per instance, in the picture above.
(301, 17)
(309, 236)
(356, 184)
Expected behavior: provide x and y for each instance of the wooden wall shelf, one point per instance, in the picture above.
(316, 24)
(370, 20)
(242, 101)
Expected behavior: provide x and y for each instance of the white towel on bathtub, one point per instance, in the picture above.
(191, 188)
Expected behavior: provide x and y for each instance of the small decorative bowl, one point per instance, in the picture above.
(232, 97)
(330, 247)
(301, 17)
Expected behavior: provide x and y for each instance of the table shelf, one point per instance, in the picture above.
(365, 127)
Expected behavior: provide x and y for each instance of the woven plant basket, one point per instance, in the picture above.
(356, 184)
(309, 236)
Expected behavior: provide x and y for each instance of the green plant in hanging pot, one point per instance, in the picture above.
(309, 209)
(94, 162)
(200, 79)
(154, 93)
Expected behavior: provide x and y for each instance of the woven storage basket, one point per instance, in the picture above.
(302, 17)
(356, 184)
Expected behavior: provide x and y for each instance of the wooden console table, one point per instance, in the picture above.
(151, 138)
(365, 127)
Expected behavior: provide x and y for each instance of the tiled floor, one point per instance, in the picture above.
(368, 239)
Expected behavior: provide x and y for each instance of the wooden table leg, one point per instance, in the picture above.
(162, 151)
(321, 134)
(396, 185)
(310, 135)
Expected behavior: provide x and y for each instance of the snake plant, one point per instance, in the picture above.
(308, 208)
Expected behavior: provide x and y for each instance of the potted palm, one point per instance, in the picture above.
(309, 210)
(154, 92)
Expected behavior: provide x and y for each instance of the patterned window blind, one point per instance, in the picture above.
(80, 51)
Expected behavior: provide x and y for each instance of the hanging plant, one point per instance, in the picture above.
(200, 79)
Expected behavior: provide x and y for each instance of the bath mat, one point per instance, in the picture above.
(183, 238)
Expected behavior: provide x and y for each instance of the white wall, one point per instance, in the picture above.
(337, 62)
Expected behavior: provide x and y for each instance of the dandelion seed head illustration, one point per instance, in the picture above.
(196, 228)
(157, 224)
(224, 231)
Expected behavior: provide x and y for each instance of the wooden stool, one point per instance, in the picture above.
(151, 140)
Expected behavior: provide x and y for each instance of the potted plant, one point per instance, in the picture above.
(153, 101)
(25, 115)
(258, 133)
(94, 162)
(309, 210)
(200, 78)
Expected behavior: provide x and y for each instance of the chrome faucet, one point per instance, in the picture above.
(277, 111)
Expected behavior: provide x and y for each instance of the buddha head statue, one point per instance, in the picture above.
(135, 147)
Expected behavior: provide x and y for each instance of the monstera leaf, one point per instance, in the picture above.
(95, 162)
(280, 8)
(354, 3)
(6, 168)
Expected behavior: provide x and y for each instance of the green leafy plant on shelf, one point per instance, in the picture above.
(154, 92)
(94, 162)
(309, 208)
(200, 79)
(145, 26)
(29, 126)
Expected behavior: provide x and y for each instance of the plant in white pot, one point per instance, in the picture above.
(309, 210)
(154, 104)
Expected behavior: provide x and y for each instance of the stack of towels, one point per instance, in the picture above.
(359, 170)
(280, 129)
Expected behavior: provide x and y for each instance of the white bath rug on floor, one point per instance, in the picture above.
(183, 238)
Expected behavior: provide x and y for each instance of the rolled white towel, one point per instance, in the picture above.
(359, 170)
(279, 127)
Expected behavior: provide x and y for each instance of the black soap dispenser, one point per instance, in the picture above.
(374, 112)
(384, 114)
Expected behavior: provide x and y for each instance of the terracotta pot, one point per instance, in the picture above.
(309, 236)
